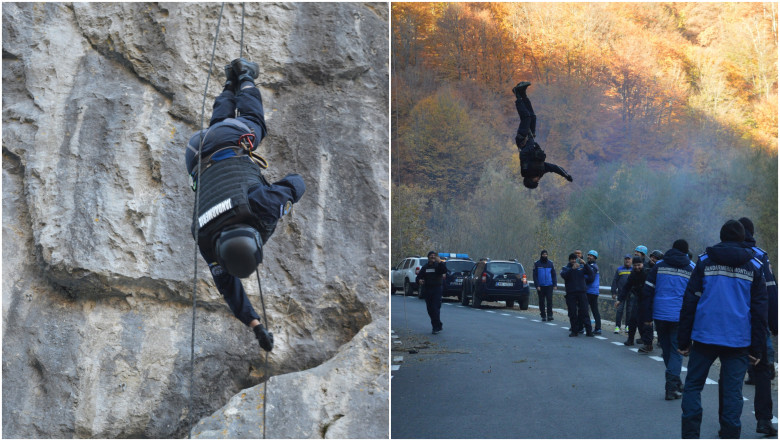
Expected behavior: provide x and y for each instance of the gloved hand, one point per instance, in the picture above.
(569, 178)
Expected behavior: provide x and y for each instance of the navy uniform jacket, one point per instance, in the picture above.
(725, 302)
(664, 288)
(771, 283)
(544, 273)
(431, 274)
(634, 285)
(620, 278)
(577, 278)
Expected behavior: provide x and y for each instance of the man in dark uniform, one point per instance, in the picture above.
(238, 208)
(429, 278)
(633, 290)
(593, 291)
(532, 164)
(762, 373)
(577, 275)
(545, 282)
(618, 281)
(723, 316)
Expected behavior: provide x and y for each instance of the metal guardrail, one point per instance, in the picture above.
(607, 289)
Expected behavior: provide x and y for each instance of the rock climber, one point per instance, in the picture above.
(532, 164)
(238, 209)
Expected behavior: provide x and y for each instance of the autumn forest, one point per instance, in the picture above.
(665, 114)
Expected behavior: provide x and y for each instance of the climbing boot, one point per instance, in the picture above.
(265, 337)
(245, 70)
(231, 81)
(672, 394)
(647, 348)
(519, 89)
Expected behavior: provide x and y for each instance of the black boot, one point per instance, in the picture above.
(245, 70)
(231, 81)
(265, 337)
(519, 89)
(765, 427)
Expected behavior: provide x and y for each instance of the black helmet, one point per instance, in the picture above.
(657, 254)
(239, 250)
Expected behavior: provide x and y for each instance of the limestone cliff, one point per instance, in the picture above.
(99, 100)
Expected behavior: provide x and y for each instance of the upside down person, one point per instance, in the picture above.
(532, 164)
(238, 209)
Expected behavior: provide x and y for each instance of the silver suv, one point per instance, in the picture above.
(404, 275)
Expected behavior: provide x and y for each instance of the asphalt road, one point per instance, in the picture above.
(502, 373)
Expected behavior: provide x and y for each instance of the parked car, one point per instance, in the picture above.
(457, 269)
(404, 274)
(496, 280)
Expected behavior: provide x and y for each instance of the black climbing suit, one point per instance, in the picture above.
(230, 178)
(532, 157)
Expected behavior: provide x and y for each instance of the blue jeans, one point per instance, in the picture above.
(733, 364)
(667, 337)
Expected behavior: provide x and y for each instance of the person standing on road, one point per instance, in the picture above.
(655, 257)
(576, 276)
(545, 282)
(723, 316)
(429, 278)
(662, 301)
(593, 291)
(641, 252)
(632, 292)
(618, 281)
(763, 372)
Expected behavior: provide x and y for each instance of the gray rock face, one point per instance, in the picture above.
(99, 100)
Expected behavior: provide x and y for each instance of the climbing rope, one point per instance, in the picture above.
(263, 164)
(194, 217)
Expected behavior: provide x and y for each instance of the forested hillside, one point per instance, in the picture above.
(665, 114)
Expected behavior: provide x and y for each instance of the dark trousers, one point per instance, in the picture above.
(667, 337)
(433, 303)
(249, 104)
(762, 376)
(733, 364)
(545, 300)
(623, 308)
(593, 300)
(578, 312)
(645, 331)
(527, 120)
(233, 291)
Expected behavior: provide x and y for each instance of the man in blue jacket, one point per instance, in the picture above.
(762, 373)
(662, 301)
(593, 291)
(618, 281)
(545, 282)
(723, 316)
(577, 275)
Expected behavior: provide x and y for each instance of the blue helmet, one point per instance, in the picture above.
(642, 249)
(594, 253)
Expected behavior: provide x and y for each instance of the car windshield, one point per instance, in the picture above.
(504, 268)
(459, 266)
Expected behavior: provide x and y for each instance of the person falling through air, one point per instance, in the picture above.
(238, 209)
(532, 164)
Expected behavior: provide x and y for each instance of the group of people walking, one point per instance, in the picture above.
(724, 306)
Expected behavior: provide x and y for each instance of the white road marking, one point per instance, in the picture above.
(710, 382)
(550, 323)
(398, 359)
(617, 343)
(656, 358)
(396, 367)
(505, 314)
(397, 342)
(536, 320)
(635, 350)
(684, 369)
(522, 317)
(490, 311)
